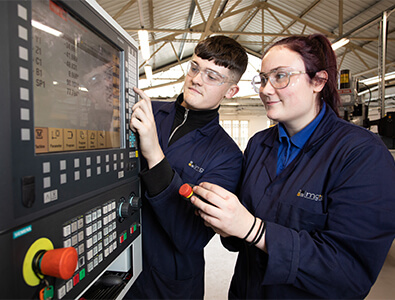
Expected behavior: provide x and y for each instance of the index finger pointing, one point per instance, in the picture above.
(141, 94)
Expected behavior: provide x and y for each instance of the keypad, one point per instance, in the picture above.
(94, 236)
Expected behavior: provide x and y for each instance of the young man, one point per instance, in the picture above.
(182, 142)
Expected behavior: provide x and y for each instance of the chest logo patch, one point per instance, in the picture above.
(309, 196)
(195, 167)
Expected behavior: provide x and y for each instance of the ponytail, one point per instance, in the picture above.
(329, 93)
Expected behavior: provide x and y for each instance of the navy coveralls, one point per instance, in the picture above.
(329, 215)
(173, 236)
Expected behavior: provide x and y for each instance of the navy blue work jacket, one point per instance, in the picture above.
(329, 215)
(173, 236)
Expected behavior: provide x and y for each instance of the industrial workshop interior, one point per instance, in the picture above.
(73, 188)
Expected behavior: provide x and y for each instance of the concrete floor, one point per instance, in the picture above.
(219, 269)
(384, 288)
(220, 264)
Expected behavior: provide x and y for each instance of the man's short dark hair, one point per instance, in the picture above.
(225, 52)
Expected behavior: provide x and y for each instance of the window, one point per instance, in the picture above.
(238, 130)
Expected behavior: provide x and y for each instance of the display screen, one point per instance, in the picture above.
(76, 78)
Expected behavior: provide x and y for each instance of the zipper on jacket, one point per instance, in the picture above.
(183, 122)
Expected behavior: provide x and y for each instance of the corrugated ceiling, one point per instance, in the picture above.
(176, 26)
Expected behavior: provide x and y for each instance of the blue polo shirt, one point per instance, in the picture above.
(291, 146)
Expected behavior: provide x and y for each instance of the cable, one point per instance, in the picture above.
(366, 117)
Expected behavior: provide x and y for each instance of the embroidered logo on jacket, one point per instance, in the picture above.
(195, 167)
(309, 196)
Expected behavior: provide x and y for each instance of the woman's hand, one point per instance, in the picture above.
(227, 216)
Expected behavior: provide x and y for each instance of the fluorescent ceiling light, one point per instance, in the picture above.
(144, 44)
(340, 43)
(46, 28)
(375, 79)
(148, 72)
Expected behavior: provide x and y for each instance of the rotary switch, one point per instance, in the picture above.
(124, 210)
(135, 202)
(127, 208)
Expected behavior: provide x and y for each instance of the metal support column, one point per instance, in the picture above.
(382, 59)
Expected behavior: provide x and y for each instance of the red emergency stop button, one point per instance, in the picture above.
(186, 190)
(60, 263)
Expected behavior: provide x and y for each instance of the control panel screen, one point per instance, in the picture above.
(76, 79)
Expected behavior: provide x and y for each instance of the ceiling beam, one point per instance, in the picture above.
(195, 30)
(152, 55)
(360, 58)
(234, 5)
(141, 13)
(278, 21)
(198, 28)
(343, 56)
(373, 70)
(305, 12)
(179, 80)
(232, 12)
(175, 52)
(188, 24)
(282, 11)
(362, 26)
(210, 20)
(245, 20)
(169, 66)
(123, 9)
(151, 13)
(340, 17)
(298, 19)
(200, 11)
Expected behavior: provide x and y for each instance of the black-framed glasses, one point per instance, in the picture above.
(209, 77)
(279, 78)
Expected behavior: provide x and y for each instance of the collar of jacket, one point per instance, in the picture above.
(171, 107)
(196, 118)
(324, 128)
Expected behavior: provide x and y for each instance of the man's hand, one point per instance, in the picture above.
(143, 122)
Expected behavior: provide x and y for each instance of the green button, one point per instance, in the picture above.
(125, 235)
(82, 274)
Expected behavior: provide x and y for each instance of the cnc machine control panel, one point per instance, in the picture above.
(70, 191)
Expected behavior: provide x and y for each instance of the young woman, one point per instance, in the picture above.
(317, 199)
